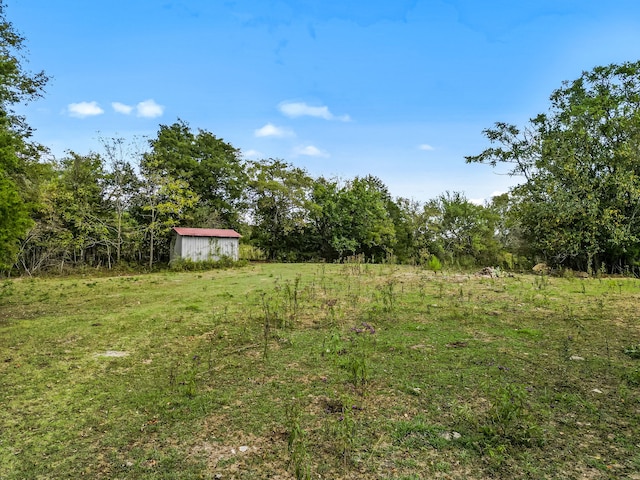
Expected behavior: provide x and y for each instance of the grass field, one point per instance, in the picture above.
(319, 371)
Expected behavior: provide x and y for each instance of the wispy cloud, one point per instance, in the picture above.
(301, 109)
(84, 109)
(482, 201)
(270, 130)
(310, 151)
(426, 147)
(149, 109)
(122, 108)
(254, 154)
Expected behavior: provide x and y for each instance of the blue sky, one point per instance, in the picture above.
(400, 89)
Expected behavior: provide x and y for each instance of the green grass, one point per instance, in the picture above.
(319, 371)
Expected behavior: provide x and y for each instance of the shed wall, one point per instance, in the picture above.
(200, 249)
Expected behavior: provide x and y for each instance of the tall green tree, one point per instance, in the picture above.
(352, 218)
(406, 215)
(280, 195)
(80, 203)
(213, 169)
(17, 197)
(163, 202)
(462, 231)
(579, 203)
(121, 186)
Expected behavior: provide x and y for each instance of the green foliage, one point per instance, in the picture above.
(188, 265)
(164, 201)
(461, 232)
(417, 433)
(352, 219)
(633, 351)
(578, 204)
(279, 199)
(434, 264)
(17, 155)
(212, 168)
(509, 422)
(15, 221)
(120, 186)
(297, 443)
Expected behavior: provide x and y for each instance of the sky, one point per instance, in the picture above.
(399, 89)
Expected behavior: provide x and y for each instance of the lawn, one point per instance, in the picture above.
(316, 371)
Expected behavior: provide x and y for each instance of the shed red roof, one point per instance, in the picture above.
(206, 232)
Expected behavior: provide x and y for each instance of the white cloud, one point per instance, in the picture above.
(254, 154)
(149, 109)
(270, 130)
(310, 151)
(84, 109)
(426, 147)
(301, 109)
(482, 201)
(122, 108)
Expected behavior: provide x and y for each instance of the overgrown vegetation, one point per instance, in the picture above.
(319, 371)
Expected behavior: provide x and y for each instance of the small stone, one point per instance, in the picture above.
(450, 435)
(596, 390)
(243, 448)
(576, 358)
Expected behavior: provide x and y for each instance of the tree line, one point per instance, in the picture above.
(577, 205)
(118, 207)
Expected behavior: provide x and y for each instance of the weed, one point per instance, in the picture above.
(508, 422)
(266, 325)
(541, 282)
(190, 383)
(358, 368)
(292, 293)
(632, 351)
(434, 264)
(332, 344)
(632, 377)
(345, 431)
(388, 295)
(296, 443)
(357, 361)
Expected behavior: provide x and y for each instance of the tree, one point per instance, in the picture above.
(17, 195)
(121, 185)
(280, 195)
(164, 202)
(580, 202)
(14, 221)
(462, 231)
(79, 201)
(351, 219)
(213, 169)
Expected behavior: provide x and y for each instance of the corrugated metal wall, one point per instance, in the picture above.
(200, 249)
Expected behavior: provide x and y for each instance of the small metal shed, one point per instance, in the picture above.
(203, 244)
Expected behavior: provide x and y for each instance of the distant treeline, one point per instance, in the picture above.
(117, 207)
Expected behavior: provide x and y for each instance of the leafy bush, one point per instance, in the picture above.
(434, 264)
